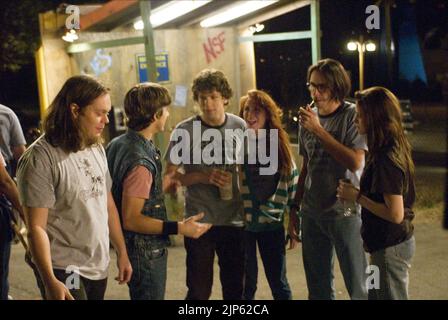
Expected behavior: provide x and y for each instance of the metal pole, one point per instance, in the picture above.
(151, 71)
(389, 53)
(145, 12)
(315, 30)
(361, 62)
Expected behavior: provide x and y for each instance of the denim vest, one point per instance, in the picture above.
(124, 153)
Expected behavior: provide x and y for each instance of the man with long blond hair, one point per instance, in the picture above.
(64, 186)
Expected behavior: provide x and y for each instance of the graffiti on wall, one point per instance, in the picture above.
(214, 46)
(101, 62)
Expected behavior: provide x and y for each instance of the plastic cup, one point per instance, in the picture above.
(349, 206)
(226, 192)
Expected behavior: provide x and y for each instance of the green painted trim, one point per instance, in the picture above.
(281, 36)
(86, 46)
(145, 13)
(315, 30)
(151, 68)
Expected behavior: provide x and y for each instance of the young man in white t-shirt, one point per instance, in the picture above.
(64, 186)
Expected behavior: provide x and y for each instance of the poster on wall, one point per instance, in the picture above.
(163, 74)
(180, 97)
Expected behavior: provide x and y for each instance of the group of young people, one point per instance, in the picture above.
(77, 195)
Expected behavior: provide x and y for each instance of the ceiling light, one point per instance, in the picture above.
(241, 8)
(138, 25)
(256, 28)
(70, 36)
(171, 11)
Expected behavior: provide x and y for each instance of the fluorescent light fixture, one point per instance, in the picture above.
(70, 36)
(171, 11)
(352, 46)
(239, 9)
(370, 46)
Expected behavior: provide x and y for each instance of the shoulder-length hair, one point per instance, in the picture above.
(337, 77)
(273, 121)
(144, 101)
(61, 129)
(382, 118)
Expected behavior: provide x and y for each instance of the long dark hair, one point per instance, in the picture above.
(382, 118)
(337, 77)
(61, 129)
(273, 121)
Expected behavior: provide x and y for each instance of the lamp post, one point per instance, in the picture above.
(362, 47)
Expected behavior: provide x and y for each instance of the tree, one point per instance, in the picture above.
(19, 34)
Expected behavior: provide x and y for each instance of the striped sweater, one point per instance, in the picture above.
(269, 215)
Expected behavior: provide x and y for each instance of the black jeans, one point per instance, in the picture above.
(88, 289)
(271, 245)
(228, 243)
(5, 247)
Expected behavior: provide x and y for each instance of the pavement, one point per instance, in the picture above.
(428, 275)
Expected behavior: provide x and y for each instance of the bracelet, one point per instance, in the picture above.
(169, 227)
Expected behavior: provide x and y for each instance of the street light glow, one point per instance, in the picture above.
(370, 46)
(361, 46)
(352, 46)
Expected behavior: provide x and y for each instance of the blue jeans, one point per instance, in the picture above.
(320, 238)
(393, 264)
(272, 251)
(149, 266)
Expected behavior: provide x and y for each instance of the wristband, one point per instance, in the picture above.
(169, 227)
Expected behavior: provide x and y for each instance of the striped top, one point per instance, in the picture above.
(270, 214)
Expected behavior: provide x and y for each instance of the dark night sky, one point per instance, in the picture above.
(281, 66)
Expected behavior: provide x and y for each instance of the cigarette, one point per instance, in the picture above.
(310, 106)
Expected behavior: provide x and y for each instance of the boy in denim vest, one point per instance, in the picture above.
(136, 170)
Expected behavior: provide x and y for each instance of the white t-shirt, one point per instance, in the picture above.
(74, 187)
